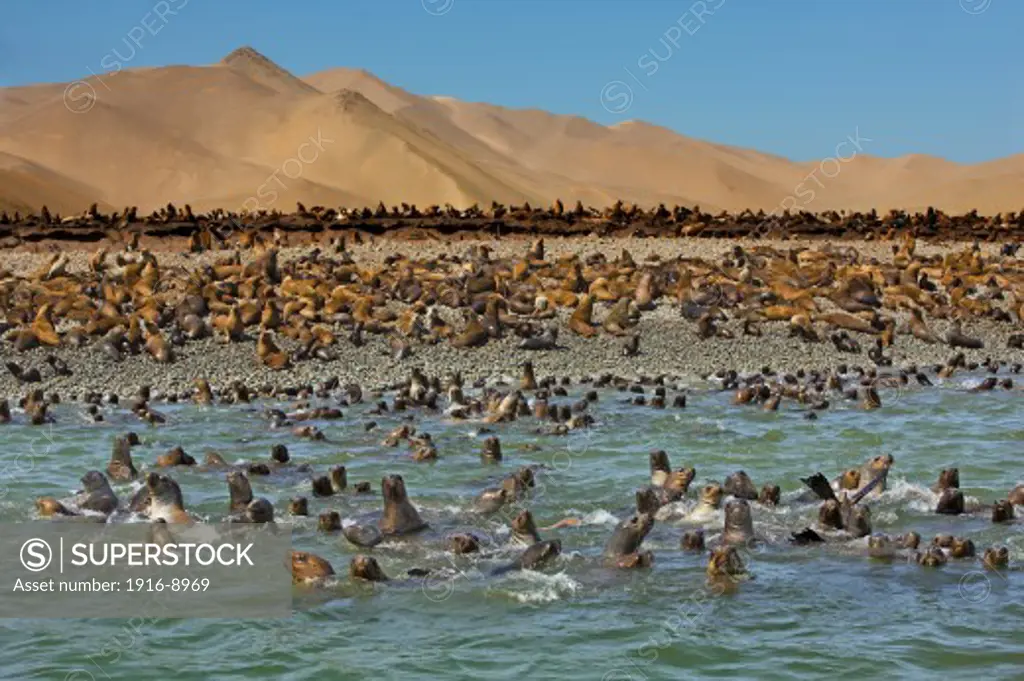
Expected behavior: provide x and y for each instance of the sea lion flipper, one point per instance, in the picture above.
(819, 485)
(868, 487)
(805, 536)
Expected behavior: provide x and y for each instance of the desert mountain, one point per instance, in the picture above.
(246, 133)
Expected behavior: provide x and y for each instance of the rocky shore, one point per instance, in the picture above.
(669, 343)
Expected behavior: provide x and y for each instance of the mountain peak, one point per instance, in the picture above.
(252, 63)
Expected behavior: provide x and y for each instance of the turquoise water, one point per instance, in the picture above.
(808, 612)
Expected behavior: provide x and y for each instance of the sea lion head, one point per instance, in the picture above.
(880, 546)
(1016, 496)
(911, 540)
(943, 541)
(526, 477)
(949, 478)
(240, 490)
(770, 495)
(524, 526)
(740, 486)
(366, 568)
(996, 557)
(307, 567)
(259, 511)
(94, 481)
(491, 450)
(850, 479)
(859, 521)
(175, 457)
(647, 501)
(725, 561)
(393, 489)
(881, 463)
(678, 482)
(279, 453)
(298, 506)
(1002, 511)
(830, 515)
(339, 478)
(214, 460)
(322, 486)
(933, 557)
(711, 495)
(463, 543)
(660, 467)
(951, 502)
(693, 540)
(640, 559)
(121, 466)
(739, 524)
(962, 548)
(329, 521)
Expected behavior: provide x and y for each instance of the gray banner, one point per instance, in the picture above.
(83, 569)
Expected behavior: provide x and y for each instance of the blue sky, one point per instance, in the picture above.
(790, 77)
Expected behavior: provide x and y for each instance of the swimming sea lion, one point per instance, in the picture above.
(648, 500)
(165, 500)
(97, 494)
(962, 548)
(1002, 511)
(536, 556)
(881, 546)
(693, 540)
(524, 529)
(830, 515)
(258, 510)
(48, 507)
(769, 496)
(724, 563)
(121, 466)
(951, 502)
(740, 486)
(462, 543)
(1016, 495)
(175, 457)
(298, 506)
(366, 568)
(949, 478)
(329, 521)
(678, 482)
(996, 557)
(240, 490)
(739, 524)
(400, 516)
(710, 500)
(492, 450)
(308, 567)
(933, 557)
(628, 536)
(660, 467)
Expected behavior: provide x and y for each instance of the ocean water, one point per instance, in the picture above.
(806, 612)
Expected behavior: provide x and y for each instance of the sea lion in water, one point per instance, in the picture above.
(240, 490)
(175, 457)
(740, 486)
(121, 466)
(329, 521)
(298, 506)
(165, 500)
(258, 510)
(693, 540)
(996, 557)
(400, 516)
(536, 556)
(97, 494)
(830, 515)
(660, 468)
(627, 538)
(678, 482)
(951, 502)
(933, 557)
(1002, 511)
(366, 568)
(724, 563)
(770, 495)
(648, 500)
(493, 498)
(710, 500)
(962, 548)
(949, 478)
(309, 567)
(492, 450)
(739, 524)
(524, 529)
(462, 543)
(48, 507)
(1016, 495)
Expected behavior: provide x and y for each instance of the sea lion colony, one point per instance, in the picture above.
(211, 229)
(298, 311)
(844, 515)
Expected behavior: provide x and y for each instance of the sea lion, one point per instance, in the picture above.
(165, 500)
(528, 380)
(830, 515)
(175, 457)
(462, 543)
(710, 500)
(533, 558)
(329, 521)
(648, 500)
(724, 564)
(1016, 495)
(298, 506)
(739, 524)
(660, 468)
(740, 486)
(962, 548)
(628, 536)
(678, 483)
(996, 557)
(881, 546)
(366, 568)
(951, 502)
(770, 495)
(121, 467)
(933, 557)
(492, 450)
(693, 540)
(240, 491)
(949, 478)
(910, 540)
(524, 529)
(400, 516)
(338, 476)
(1002, 511)
(97, 494)
(308, 567)
(876, 466)
(258, 510)
(48, 507)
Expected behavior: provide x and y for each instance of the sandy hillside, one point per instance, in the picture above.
(245, 133)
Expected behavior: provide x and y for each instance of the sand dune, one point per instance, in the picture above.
(246, 134)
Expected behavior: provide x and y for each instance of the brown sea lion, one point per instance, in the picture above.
(628, 536)
(329, 521)
(121, 466)
(724, 565)
(400, 516)
(462, 543)
(175, 457)
(48, 507)
(933, 557)
(962, 548)
(949, 478)
(710, 499)
(770, 495)
(240, 491)
(308, 567)
(534, 557)
(648, 500)
(97, 495)
(693, 540)
(492, 450)
(951, 502)
(660, 468)
(1002, 511)
(298, 506)
(165, 500)
(996, 557)
(830, 515)
(524, 529)
(1016, 495)
(366, 568)
(740, 486)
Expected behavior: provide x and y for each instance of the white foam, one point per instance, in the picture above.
(543, 588)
